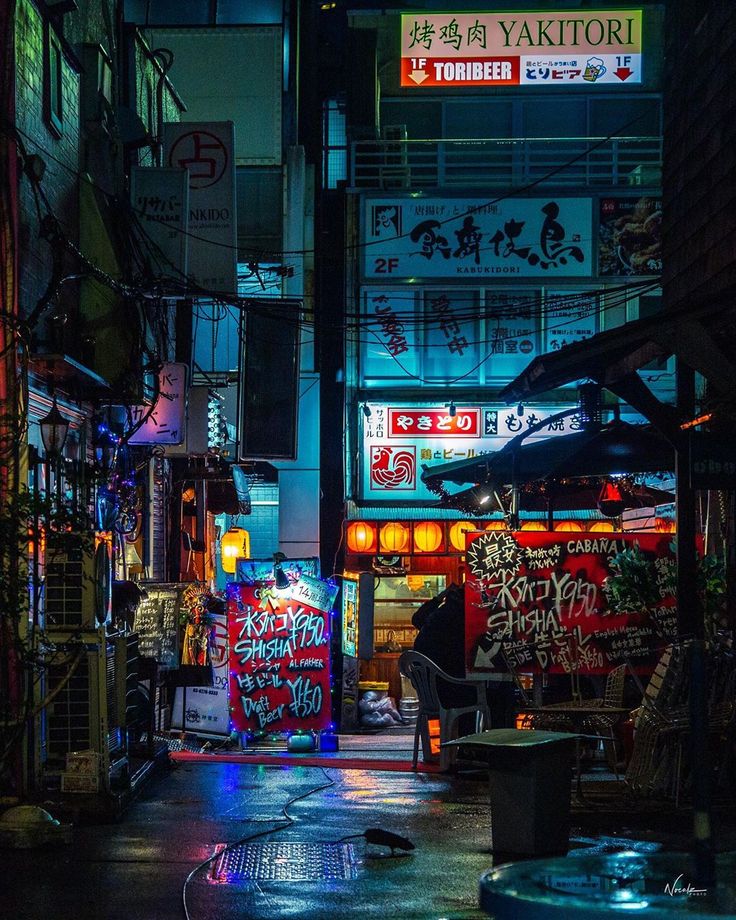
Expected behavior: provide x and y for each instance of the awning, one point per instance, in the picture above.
(698, 336)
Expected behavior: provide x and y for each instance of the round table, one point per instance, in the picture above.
(655, 886)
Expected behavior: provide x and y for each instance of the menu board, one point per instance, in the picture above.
(536, 601)
(280, 655)
(157, 623)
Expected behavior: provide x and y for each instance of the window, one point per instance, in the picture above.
(335, 145)
(53, 96)
(490, 118)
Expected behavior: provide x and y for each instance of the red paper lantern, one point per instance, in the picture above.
(361, 537)
(427, 537)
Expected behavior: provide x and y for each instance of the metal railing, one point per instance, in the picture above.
(578, 162)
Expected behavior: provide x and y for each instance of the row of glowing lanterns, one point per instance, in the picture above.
(429, 536)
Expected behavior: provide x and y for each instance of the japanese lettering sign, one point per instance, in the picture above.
(570, 318)
(157, 623)
(165, 424)
(160, 199)
(280, 655)
(399, 440)
(451, 345)
(537, 598)
(557, 49)
(466, 238)
(205, 149)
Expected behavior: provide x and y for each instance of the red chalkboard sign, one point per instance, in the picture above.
(537, 598)
(280, 655)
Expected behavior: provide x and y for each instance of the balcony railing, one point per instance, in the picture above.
(577, 162)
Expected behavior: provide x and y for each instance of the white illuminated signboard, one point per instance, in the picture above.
(472, 238)
(532, 49)
(399, 441)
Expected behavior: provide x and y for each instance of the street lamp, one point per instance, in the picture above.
(106, 450)
(54, 429)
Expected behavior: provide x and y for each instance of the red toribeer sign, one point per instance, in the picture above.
(537, 598)
(279, 655)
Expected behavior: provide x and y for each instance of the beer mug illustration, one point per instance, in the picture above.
(594, 69)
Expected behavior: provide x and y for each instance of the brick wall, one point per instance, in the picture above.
(60, 154)
(700, 151)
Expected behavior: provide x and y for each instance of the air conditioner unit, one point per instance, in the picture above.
(86, 711)
(394, 164)
(78, 584)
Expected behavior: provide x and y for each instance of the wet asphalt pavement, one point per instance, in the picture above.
(136, 869)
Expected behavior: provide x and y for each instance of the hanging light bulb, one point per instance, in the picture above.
(610, 501)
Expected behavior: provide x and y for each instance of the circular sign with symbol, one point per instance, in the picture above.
(493, 553)
(203, 154)
(525, 346)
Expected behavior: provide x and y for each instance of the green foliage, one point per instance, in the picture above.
(27, 518)
(638, 584)
(633, 587)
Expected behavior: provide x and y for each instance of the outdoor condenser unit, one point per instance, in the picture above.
(86, 709)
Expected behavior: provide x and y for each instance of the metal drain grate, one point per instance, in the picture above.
(285, 862)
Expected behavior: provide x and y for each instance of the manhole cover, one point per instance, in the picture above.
(285, 862)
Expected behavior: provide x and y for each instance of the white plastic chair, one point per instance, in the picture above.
(423, 674)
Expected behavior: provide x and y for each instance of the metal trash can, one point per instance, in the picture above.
(409, 703)
(530, 778)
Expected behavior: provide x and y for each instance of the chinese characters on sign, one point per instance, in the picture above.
(280, 655)
(399, 441)
(551, 48)
(540, 597)
(524, 238)
(160, 199)
(205, 149)
(570, 318)
(165, 424)
(430, 422)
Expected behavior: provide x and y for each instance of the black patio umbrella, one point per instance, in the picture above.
(617, 447)
(550, 495)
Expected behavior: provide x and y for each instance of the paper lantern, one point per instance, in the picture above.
(361, 537)
(497, 525)
(568, 526)
(457, 534)
(427, 537)
(235, 544)
(394, 537)
(602, 527)
(533, 525)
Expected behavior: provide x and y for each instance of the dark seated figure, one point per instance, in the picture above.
(441, 637)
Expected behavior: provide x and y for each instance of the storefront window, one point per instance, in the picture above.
(396, 600)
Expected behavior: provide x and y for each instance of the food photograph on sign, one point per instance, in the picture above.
(630, 236)
(560, 48)
(543, 602)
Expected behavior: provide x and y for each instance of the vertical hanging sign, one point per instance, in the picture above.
(206, 150)
(280, 655)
